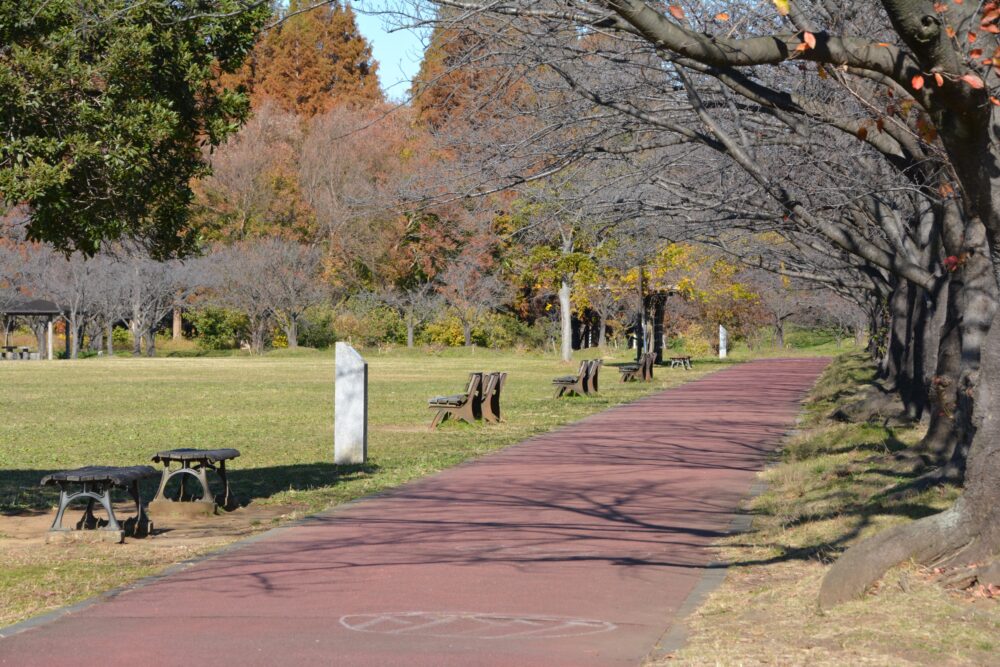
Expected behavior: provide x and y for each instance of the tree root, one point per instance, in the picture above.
(987, 575)
(927, 540)
(876, 405)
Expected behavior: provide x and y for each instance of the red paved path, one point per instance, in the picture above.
(573, 548)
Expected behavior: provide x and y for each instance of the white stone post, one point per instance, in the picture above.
(350, 421)
(48, 341)
(723, 341)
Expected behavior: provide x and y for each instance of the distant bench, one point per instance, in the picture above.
(683, 362)
(481, 400)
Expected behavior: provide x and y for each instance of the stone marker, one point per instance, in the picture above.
(350, 410)
(723, 341)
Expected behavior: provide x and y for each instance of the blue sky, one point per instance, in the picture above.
(398, 54)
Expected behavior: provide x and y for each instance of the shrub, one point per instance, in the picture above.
(120, 337)
(316, 330)
(445, 330)
(366, 321)
(217, 328)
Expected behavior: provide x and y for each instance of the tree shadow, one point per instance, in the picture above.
(21, 493)
(249, 484)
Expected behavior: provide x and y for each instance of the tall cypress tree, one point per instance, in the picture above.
(313, 61)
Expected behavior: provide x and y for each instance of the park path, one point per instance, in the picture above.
(573, 548)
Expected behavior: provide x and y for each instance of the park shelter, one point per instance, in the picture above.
(32, 308)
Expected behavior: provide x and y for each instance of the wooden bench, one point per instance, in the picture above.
(643, 369)
(193, 463)
(593, 382)
(583, 383)
(467, 407)
(95, 484)
(683, 362)
(491, 397)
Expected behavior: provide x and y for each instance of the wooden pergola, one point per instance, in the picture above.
(31, 308)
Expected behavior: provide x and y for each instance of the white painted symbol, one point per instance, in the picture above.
(473, 625)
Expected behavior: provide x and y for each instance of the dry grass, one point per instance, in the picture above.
(825, 494)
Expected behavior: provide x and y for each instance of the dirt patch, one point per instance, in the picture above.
(25, 530)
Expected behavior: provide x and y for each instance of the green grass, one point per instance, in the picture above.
(826, 493)
(277, 410)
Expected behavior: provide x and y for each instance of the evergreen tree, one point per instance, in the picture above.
(105, 107)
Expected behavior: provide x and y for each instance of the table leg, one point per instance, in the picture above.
(225, 484)
(106, 502)
(63, 504)
(143, 526)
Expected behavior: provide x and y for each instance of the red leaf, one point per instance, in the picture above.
(809, 39)
(917, 82)
(938, 79)
(973, 81)
(722, 17)
(676, 12)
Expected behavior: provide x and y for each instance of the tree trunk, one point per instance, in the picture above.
(967, 533)
(565, 321)
(136, 339)
(292, 333)
(602, 332)
(467, 333)
(111, 339)
(178, 328)
(150, 337)
(779, 334)
(410, 328)
(73, 331)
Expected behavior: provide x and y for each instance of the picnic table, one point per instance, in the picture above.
(15, 351)
(193, 463)
(683, 362)
(95, 484)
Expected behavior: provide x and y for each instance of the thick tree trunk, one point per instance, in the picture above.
(467, 333)
(602, 333)
(150, 337)
(779, 334)
(565, 321)
(111, 339)
(967, 533)
(292, 333)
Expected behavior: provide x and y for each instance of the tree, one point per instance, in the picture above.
(470, 288)
(238, 279)
(312, 61)
(106, 108)
(292, 284)
(920, 63)
(151, 288)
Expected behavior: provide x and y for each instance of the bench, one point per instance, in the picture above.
(491, 397)
(683, 362)
(467, 407)
(643, 369)
(95, 484)
(193, 463)
(583, 383)
(593, 383)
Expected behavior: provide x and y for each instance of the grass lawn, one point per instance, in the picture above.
(824, 494)
(277, 410)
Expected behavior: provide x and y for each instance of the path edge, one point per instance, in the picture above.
(677, 634)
